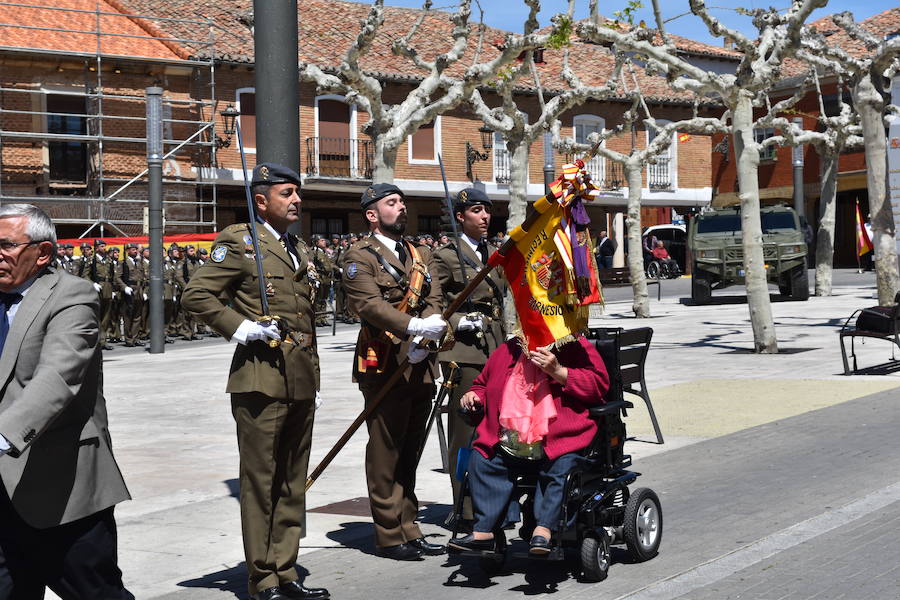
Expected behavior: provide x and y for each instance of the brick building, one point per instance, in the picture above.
(62, 159)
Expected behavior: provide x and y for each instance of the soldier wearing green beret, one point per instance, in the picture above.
(273, 386)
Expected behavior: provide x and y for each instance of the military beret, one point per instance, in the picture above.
(203, 251)
(189, 247)
(376, 192)
(130, 245)
(69, 247)
(99, 243)
(85, 245)
(470, 197)
(272, 173)
(316, 237)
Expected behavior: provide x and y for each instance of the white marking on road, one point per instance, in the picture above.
(732, 562)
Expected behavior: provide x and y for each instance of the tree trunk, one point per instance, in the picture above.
(518, 182)
(747, 151)
(385, 159)
(825, 235)
(641, 304)
(870, 105)
(518, 204)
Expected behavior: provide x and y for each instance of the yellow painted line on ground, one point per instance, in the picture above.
(713, 407)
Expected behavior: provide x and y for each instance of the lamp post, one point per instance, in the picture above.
(549, 166)
(229, 116)
(154, 217)
(473, 155)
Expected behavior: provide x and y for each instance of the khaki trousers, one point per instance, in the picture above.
(459, 433)
(274, 438)
(396, 432)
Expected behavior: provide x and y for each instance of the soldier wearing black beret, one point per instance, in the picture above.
(273, 387)
(478, 324)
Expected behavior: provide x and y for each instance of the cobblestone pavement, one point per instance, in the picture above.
(755, 445)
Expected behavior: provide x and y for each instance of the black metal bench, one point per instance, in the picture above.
(621, 277)
(852, 331)
(630, 347)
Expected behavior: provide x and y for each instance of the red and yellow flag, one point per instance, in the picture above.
(863, 243)
(541, 277)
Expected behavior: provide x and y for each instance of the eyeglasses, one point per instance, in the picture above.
(7, 247)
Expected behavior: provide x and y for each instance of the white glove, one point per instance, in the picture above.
(416, 354)
(97, 287)
(467, 324)
(128, 291)
(250, 331)
(318, 399)
(432, 327)
(145, 297)
(4, 445)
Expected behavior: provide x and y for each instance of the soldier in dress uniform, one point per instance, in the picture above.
(132, 281)
(185, 270)
(80, 261)
(324, 267)
(390, 284)
(273, 386)
(477, 324)
(97, 269)
(170, 293)
(116, 310)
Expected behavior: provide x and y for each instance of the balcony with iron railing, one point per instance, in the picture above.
(607, 175)
(339, 158)
(659, 174)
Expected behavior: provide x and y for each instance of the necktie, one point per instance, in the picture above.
(482, 251)
(6, 301)
(401, 252)
(289, 247)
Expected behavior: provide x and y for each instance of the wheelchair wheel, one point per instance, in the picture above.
(595, 557)
(653, 270)
(643, 524)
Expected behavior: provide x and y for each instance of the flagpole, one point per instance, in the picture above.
(508, 244)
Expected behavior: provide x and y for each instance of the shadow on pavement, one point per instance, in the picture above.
(232, 580)
(234, 487)
(354, 534)
(726, 300)
(888, 368)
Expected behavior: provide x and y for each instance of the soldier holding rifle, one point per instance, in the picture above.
(274, 374)
(389, 284)
(477, 324)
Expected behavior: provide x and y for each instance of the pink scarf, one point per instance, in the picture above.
(527, 405)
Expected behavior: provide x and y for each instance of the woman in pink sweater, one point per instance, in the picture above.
(535, 420)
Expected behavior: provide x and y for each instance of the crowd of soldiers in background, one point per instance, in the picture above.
(328, 253)
(123, 283)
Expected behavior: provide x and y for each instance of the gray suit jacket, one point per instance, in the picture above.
(61, 467)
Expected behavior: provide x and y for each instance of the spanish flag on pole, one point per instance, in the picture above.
(543, 269)
(863, 243)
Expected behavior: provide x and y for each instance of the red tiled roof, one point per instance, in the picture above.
(130, 39)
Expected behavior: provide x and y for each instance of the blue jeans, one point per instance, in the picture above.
(492, 482)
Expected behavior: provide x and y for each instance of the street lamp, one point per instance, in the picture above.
(229, 115)
(473, 155)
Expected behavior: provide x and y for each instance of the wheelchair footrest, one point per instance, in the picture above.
(557, 553)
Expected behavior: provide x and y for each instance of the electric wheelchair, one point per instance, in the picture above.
(599, 508)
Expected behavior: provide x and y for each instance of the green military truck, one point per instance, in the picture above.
(717, 252)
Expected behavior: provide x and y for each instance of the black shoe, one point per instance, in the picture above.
(471, 544)
(272, 593)
(427, 548)
(399, 552)
(106, 347)
(539, 545)
(170, 340)
(298, 591)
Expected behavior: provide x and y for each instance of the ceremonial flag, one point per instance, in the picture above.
(863, 243)
(684, 137)
(541, 275)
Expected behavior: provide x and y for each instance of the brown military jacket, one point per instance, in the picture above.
(374, 295)
(100, 270)
(131, 274)
(290, 371)
(469, 347)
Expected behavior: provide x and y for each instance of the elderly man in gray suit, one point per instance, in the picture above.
(60, 480)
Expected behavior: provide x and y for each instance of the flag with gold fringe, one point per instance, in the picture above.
(863, 243)
(550, 269)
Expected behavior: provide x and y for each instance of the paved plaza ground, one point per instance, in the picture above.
(778, 478)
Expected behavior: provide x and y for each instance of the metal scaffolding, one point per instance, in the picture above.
(110, 131)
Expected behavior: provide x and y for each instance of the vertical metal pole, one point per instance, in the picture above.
(154, 167)
(549, 166)
(277, 82)
(797, 156)
(277, 85)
